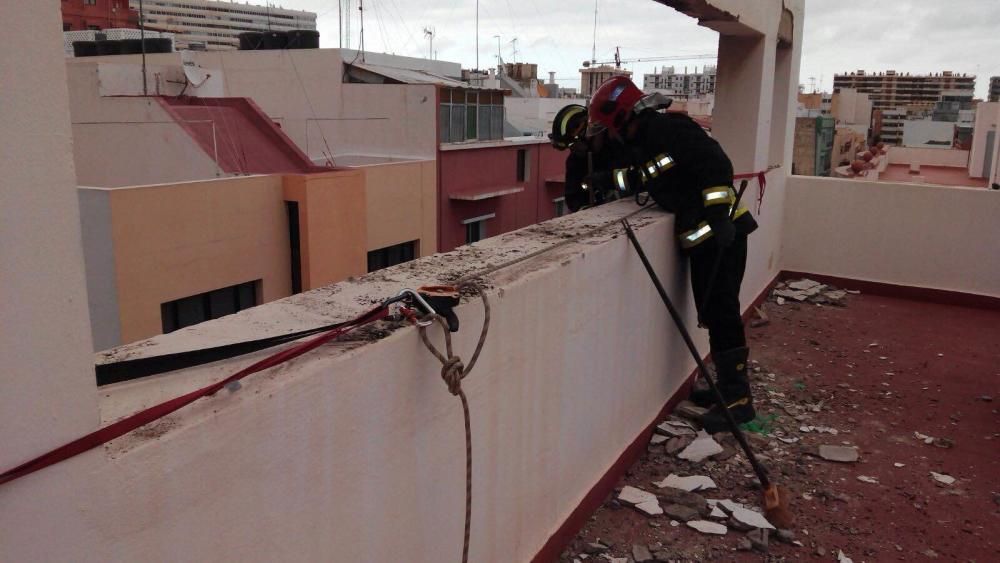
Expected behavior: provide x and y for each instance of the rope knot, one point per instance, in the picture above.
(452, 372)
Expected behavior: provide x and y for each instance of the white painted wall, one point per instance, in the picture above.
(303, 91)
(986, 121)
(47, 393)
(921, 133)
(928, 156)
(531, 115)
(121, 140)
(918, 235)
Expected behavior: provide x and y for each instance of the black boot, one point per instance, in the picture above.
(704, 397)
(734, 384)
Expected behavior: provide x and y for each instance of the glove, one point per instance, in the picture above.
(723, 231)
(599, 182)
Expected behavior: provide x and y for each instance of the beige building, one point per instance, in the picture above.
(214, 25)
(594, 76)
(681, 85)
(891, 89)
(248, 167)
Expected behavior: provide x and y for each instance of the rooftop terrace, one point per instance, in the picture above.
(884, 373)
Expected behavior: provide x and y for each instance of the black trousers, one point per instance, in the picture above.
(722, 309)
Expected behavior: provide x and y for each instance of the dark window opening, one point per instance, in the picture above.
(392, 255)
(207, 306)
(67, 26)
(522, 164)
(294, 242)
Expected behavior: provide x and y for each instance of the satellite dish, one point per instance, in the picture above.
(194, 73)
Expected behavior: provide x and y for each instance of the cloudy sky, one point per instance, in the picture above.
(916, 36)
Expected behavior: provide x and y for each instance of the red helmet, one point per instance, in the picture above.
(612, 102)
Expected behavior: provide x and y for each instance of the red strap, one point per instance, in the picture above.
(130, 423)
(761, 181)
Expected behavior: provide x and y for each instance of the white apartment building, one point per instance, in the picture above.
(214, 25)
(681, 85)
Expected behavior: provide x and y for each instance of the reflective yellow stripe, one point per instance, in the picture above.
(569, 115)
(620, 179)
(584, 186)
(698, 235)
(664, 162)
(718, 195)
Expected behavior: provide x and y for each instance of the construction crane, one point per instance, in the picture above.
(618, 60)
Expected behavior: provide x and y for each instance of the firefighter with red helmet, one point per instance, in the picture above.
(687, 173)
(586, 154)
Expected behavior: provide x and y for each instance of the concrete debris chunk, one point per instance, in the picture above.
(680, 512)
(641, 553)
(924, 438)
(657, 440)
(758, 538)
(706, 527)
(842, 454)
(788, 440)
(649, 508)
(866, 479)
(702, 447)
(804, 284)
(632, 495)
(942, 478)
(689, 410)
(744, 518)
(677, 496)
(678, 443)
(718, 513)
(780, 300)
(690, 483)
(792, 294)
(841, 558)
(897, 464)
(675, 428)
(595, 548)
(744, 544)
(836, 295)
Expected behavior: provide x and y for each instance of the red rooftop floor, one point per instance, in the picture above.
(944, 175)
(884, 368)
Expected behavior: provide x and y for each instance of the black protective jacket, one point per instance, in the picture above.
(687, 173)
(578, 168)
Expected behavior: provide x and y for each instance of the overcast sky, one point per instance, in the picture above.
(916, 36)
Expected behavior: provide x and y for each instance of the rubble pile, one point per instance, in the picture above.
(810, 291)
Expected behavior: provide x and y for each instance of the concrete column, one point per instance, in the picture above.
(741, 120)
(47, 390)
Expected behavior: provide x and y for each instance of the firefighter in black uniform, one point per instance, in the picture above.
(687, 173)
(586, 155)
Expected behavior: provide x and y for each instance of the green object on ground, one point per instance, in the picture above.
(762, 424)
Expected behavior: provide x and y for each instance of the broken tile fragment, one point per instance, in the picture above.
(689, 483)
(680, 512)
(657, 439)
(689, 410)
(702, 447)
(866, 479)
(650, 508)
(743, 517)
(842, 454)
(924, 438)
(803, 284)
(674, 428)
(632, 495)
(706, 527)
(677, 444)
(942, 478)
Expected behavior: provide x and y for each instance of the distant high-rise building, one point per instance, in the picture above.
(682, 85)
(594, 76)
(83, 15)
(891, 89)
(995, 89)
(213, 25)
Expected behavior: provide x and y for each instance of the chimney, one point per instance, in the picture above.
(552, 77)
